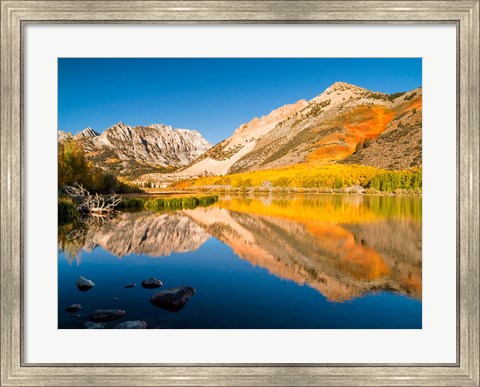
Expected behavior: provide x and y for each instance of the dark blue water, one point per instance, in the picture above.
(236, 292)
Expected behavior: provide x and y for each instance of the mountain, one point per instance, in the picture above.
(62, 136)
(220, 159)
(85, 133)
(344, 124)
(399, 146)
(132, 151)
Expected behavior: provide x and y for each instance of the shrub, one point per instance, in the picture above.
(359, 147)
(67, 210)
(190, 202)
(316, 176)
(411, 96)
(338, 183)
(109, 183)
(131, 204)
(393, 180)
(393, 96)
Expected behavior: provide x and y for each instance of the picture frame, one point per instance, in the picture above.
(463, 14)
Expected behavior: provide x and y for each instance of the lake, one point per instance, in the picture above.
(263, 261)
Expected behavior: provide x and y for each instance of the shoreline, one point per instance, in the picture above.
(253, 191)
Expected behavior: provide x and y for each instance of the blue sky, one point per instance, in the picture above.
(213, 96)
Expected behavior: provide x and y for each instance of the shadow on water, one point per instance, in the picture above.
(297, 261)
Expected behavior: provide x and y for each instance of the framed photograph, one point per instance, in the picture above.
(240, 193)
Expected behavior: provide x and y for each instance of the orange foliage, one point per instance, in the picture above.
(361, 124)
(371, 128)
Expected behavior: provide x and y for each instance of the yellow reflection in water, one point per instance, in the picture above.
(357, 243)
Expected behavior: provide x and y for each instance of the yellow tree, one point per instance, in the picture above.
(73, 166)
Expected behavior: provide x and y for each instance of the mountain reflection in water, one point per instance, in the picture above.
(345, 247)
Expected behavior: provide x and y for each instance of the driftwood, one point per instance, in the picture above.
(92, 204)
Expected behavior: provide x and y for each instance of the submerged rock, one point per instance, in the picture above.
(107, 315)
(84, 284)
(74, 315)
(92, 325)
(73, 308)
(132, 285)
(152, 283)
(132, 325)
(173, 299)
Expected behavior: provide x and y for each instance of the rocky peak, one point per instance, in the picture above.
(344, 86)
(117, 132)
(85, 133)
(118, 126)
(266, 123)
(195, 138)
(160, 127)
(340, 92)
(62, 136)
(155, 144)
(126, 150)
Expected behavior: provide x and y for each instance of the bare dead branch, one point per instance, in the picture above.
(92, 204)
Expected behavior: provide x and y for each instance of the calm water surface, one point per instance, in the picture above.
(298, 261)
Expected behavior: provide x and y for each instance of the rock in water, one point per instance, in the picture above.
(107, 315)
(73, 308)
(173, 299)
(132, 285)
(131, 325)
(74, 315)
(152, 283)
(92, 325)
(84, 284)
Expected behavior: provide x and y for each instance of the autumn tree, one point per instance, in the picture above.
(73, 166)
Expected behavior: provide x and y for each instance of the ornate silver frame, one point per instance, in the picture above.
(463, 13)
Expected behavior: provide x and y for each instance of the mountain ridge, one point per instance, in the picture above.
(320, 129)
(340, 125)
(345, 124)
(129, 150)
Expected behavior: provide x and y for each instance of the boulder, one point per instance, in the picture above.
(152, 283)
(132, 325)
(107, 315)
(92, 325)
(84, 284)
(173, 299)
(132, 285)
(73, 308)
(355, 189)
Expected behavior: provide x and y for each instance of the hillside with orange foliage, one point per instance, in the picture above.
(360, 124)
(346, 124)
(399, 145)
(334, 126)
